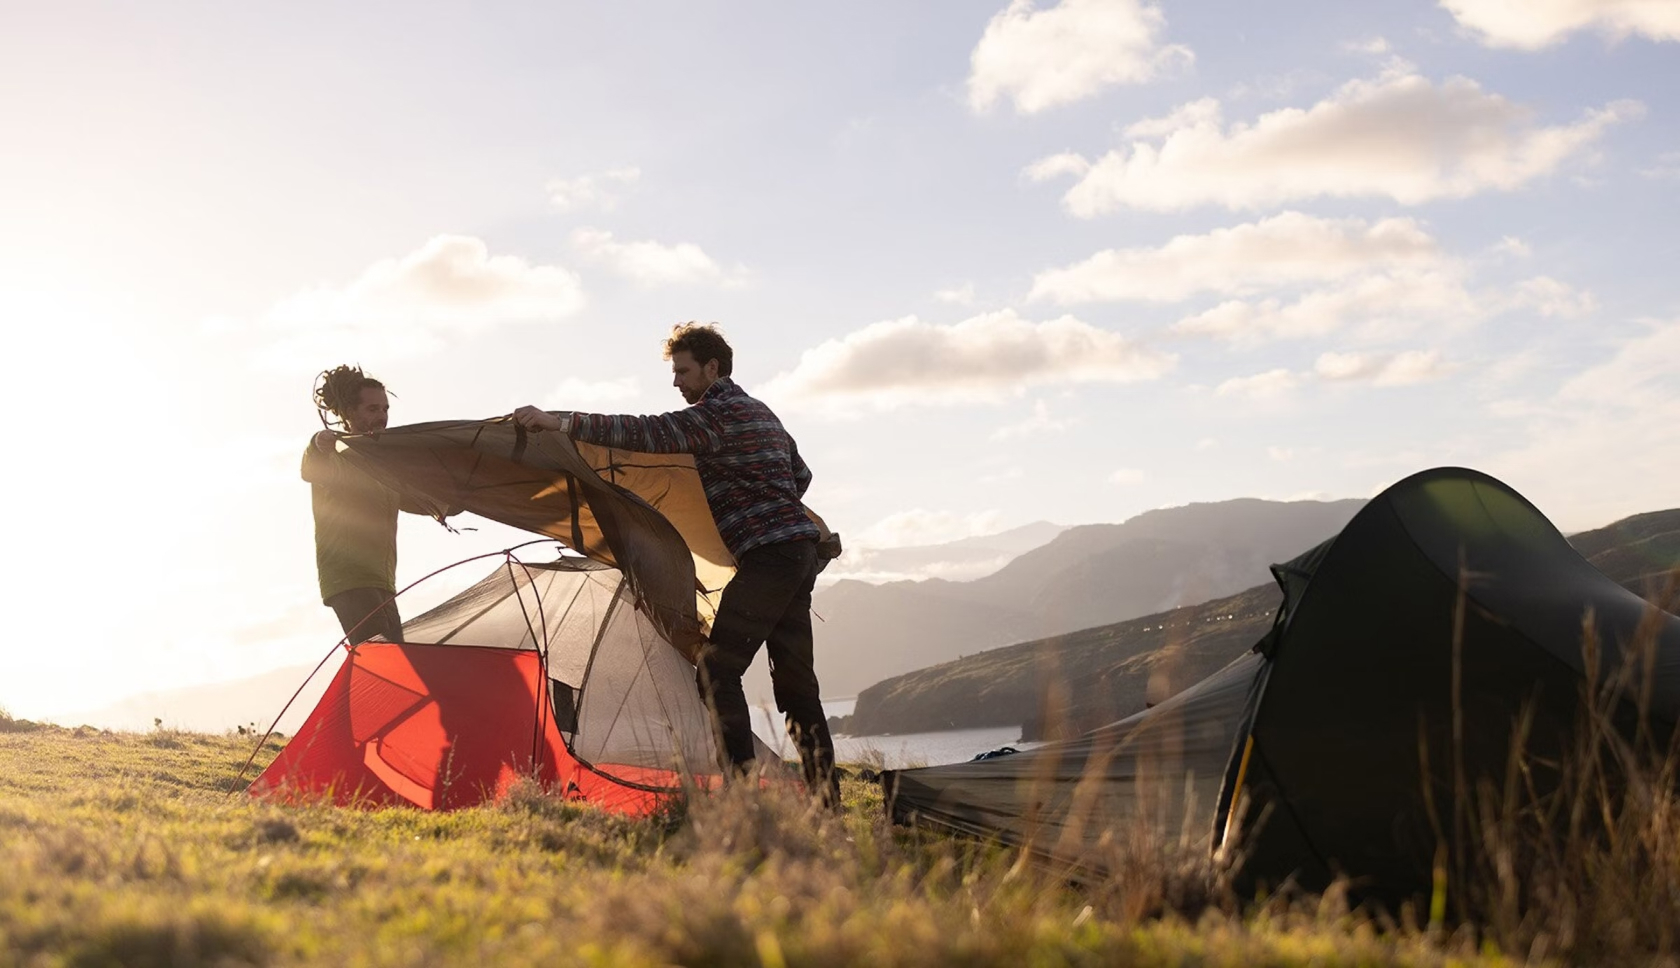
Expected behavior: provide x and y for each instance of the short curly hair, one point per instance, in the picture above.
(339, 390)
(703, 342)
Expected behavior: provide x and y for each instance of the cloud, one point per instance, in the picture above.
(1398, 136)
(1285, 249)
(1039, 422)
(962, 295)
(1383, 369)
(600, 190)
(1385, 302)
(1533, 24)
(1604, 444)
(655, 263)
(919, 527)
(1373, 46)
(986, 358)
(1270, 385)
(1667, 167)
(576, 394)
(1512, 246)
(451, 286)
(1039, 59)
(1126, 475)
(1383, 306)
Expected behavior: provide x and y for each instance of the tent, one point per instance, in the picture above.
(543, 670)
(577, 672)
(1403, 652)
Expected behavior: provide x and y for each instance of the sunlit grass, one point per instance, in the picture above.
(126, 849)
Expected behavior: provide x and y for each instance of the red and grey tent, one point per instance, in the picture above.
(546, 671)
(576, 672)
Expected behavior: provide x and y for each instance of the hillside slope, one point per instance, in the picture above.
(1088, 575)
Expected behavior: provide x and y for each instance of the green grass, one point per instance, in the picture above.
(126, 849)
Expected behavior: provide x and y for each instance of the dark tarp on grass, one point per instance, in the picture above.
(1336, 735)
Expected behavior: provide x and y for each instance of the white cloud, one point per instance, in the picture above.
(1204, 111)
(1053, 166)
(989, 357)
(1605, 445)
(1038, 422)
(1667, 167)
(1384, 306)
(1383, 369)
(1270, 385)
(1280, 453)
(1550, 297)
(655, 263)
(600, 190)
(1533, 24)
(1398, 136)
(576, 394)
(1126, 475)
(1385, 303)
(918, 527)
(450, 286)
(962, 295)
(1371, 45)
(1042, 58)
(1285, 249)
(1513, 246)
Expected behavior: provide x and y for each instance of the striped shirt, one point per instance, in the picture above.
(748, 464)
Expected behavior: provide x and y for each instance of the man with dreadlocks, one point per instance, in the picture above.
(754, 479)
(355, 515)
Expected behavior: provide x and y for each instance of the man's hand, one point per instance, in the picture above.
(326, 442)
(536, 418)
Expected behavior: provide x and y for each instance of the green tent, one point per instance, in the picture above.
(1400, 660)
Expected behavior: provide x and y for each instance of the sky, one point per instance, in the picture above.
(993, 263)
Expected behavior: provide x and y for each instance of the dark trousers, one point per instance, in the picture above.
(366, 612)
(768, 602)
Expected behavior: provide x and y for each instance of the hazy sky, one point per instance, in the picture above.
(992, 263)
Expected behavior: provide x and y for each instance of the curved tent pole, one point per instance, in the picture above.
(344, 643)
(539, 644)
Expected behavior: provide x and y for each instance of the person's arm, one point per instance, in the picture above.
(319, 465)
(690, 431)
(801, 473)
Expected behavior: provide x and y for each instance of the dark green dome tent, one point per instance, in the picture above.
(1315, 746)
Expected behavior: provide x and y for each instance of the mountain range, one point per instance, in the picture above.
(1087, 575)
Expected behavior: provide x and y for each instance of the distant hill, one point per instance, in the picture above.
(962, 560)
(1080, 680)
(1086, 576)
(218, 706)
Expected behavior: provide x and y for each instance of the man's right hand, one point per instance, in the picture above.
(326, 442)
(536, 418)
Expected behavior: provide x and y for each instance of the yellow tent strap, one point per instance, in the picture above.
(1236, 794)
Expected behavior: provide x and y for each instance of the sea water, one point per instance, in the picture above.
(892, 751)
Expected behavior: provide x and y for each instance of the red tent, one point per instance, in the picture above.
(546, 671)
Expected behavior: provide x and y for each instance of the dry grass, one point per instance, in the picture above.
(1581, 857)
(121, 850)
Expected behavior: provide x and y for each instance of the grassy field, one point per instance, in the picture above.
(126, 849)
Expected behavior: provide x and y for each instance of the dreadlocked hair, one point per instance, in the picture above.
(338, 390)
